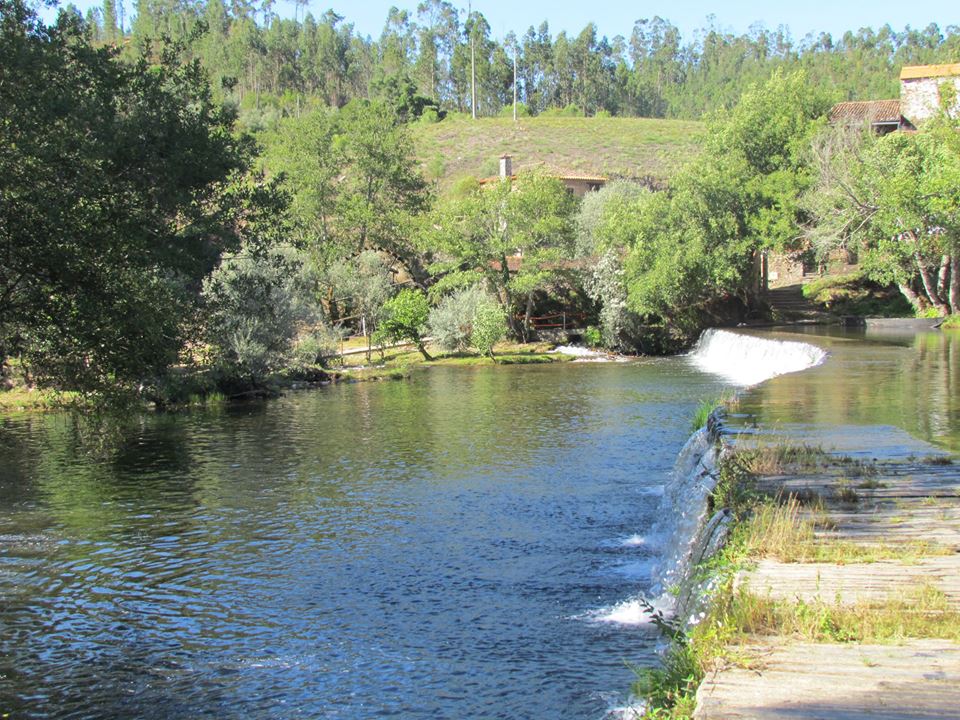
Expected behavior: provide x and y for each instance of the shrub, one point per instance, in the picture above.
(592, 336)
(451, 321)
(252, 313)
(489, 327)
(405, 318)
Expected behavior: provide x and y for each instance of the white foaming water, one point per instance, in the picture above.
(748, 360)
(682, 512)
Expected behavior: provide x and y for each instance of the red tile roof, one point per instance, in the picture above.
(873, 111)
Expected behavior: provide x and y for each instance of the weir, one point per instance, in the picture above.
(690, 533)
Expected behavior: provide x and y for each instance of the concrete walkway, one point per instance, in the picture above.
(787, 678)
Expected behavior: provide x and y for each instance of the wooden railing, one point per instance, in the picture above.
(563, 320)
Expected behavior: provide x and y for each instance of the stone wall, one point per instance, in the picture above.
(920, 97)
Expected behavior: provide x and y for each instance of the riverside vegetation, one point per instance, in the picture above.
(156, 249)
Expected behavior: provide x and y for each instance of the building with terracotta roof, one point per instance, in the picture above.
(883, 116)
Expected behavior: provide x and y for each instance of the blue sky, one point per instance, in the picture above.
(613, 18)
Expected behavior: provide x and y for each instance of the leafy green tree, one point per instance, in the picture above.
(405, 318)
(120, 186)
(355, 181)
(897, 199)
(516, 235)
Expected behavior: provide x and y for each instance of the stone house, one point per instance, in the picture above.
(924, 89)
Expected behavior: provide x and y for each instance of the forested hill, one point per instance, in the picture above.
(640, 149)
(271, 65)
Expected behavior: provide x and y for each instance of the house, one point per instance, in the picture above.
(924, 89)
(577, 184)
(883, 116)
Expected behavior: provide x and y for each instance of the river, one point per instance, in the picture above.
(446, 547)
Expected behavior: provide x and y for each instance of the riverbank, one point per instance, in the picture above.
(837, 593)
(197, 389)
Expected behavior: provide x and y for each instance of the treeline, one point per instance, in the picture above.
(151, 249)
(268, 63)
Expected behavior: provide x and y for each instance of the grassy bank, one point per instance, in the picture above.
(614, 147)
(201, 388)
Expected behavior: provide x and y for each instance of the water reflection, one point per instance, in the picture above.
(418, 549)
(873, 377)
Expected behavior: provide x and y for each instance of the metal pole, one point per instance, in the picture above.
(514, 83)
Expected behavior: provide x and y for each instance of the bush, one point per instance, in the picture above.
(315, 346)
(405, 318)
(451, 321)
(522, 111)
(489, 327)
(252, 313)
(568, 111)
(592, 336)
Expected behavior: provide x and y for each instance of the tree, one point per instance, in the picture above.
(489, 328)
(120, 186)
(897, 198)
(514, 234)
(355, 180)
(405, 318)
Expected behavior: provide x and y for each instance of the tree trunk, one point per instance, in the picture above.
(930, 286)
(943, 277)
(916, 302)
(955, 283)
(526, 317)
(423, 351)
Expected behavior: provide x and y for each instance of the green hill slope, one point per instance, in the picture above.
(614, 147)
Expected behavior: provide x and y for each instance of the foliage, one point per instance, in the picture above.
(451, 321)
(354, 181)
(603, 227)
(690, 252)
(512, 234)
(896, 198)
(253, 314)
(121, 184)
(405, 318)
(284, 64)
(593, 337)
(489, 328)
(856, 294)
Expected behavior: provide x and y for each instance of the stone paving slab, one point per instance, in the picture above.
(847, 584)
(919, 679)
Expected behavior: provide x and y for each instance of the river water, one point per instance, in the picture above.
(453, 546)
(438, 548)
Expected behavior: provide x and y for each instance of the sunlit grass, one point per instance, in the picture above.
(613, 147)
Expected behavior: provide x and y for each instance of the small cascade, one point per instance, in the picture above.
(683, 513)
(748, 360)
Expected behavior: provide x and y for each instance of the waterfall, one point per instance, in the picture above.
(748, 360)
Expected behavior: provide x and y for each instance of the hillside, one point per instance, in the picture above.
(614, 147)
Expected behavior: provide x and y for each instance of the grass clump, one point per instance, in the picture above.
(780, 458)
(921, 613)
